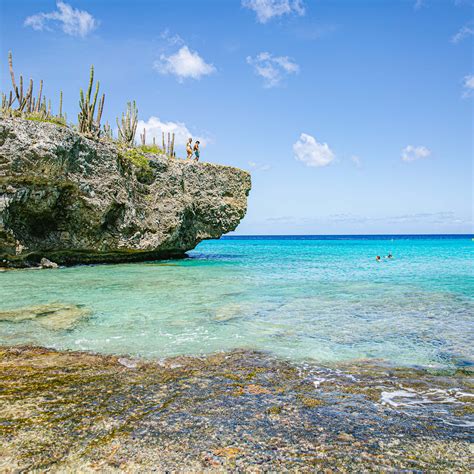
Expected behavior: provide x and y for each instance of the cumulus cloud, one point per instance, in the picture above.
(268, 9)
(259, 166)
(154, 128)
(184, 64)
(463, 33)
(412, 153)
(72, 21)
(272, 68)
(468, 85)
(311, 153)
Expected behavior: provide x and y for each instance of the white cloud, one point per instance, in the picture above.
(412, 153)
(272, 68)
(468, 86)
(268, 9)
(259, 166)
(463, 33)
(184, 64)
(357, 161)
(72, 21)
(154, 128)
(312, 153)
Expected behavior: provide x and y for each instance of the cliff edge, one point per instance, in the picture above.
(75, 200)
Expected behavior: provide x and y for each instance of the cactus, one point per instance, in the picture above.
(172, 146)
(87, 103)
(37, 105)
(23, 101)
(163, 141)
(61, 104)
(143, 137)
(108, 131)
(128, 126)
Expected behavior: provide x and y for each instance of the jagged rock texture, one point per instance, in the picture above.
(74, 200)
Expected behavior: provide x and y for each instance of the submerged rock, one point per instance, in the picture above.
(55, 316)
(238, 411)
(74, 200)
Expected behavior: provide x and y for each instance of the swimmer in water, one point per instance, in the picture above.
(377, 258)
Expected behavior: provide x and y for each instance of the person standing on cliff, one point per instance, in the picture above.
(196, 150)
(189, 149)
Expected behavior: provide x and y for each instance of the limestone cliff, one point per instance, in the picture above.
(74, 200)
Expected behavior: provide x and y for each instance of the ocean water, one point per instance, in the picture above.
(322, 299)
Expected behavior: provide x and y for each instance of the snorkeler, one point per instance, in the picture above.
(377, 258)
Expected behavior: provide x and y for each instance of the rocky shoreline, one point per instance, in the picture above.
(239, 410)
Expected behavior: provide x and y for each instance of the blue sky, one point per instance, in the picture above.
(352, 116)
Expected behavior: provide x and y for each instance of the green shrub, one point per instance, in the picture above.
(39, 117)
(150, 149)
(144, 172)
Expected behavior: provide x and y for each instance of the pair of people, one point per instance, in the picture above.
(190, 149)
(388, 256)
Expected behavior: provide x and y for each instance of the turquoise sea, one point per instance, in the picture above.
(322, 299)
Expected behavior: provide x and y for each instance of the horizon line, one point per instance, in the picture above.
(348, 235)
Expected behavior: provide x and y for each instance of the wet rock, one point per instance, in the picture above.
(80, 412)
(130, 364)
(45, 263)
(55, 316)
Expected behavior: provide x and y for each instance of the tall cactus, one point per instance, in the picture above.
(128, 126)
(23, 100)
(143, 137)
(87, 103)
(37, 105)
(172, 146)
(60, 104)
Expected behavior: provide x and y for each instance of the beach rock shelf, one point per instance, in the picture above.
(73, 200)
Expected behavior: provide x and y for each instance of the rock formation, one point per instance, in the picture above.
(74, 200)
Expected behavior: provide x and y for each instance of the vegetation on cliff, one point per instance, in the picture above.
(22, 103)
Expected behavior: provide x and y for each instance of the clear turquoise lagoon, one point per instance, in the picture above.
(322, 299)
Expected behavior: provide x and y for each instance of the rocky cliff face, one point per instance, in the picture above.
(74, 200)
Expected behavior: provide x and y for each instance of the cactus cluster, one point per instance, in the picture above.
(128, 125)
(88, 125)
(168, 147)
(23, 102)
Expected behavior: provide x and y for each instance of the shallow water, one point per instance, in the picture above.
(326, 300)
(238, 411)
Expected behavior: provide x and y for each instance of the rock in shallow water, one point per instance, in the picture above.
(74, 200)
(45, 263)
(55, 316)
(238, 411)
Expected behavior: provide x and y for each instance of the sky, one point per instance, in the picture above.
(353, 117)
